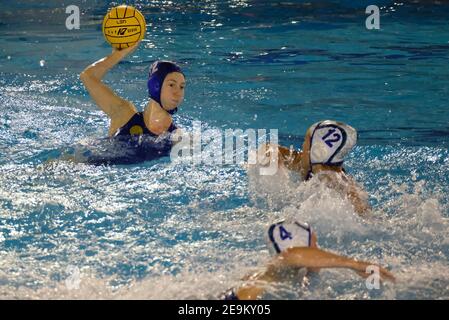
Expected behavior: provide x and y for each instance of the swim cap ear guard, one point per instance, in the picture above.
(330, 142)
(158, 71)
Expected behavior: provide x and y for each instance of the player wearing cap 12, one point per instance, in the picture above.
(294, 247)
(325, 147)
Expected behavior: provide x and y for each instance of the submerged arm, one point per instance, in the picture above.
(359, 199)
(347, 187)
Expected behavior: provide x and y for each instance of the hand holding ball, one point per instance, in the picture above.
(124, 26)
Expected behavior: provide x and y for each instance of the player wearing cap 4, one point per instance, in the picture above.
(295, 253)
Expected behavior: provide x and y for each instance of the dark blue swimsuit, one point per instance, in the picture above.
(133, 143)
(136, 126)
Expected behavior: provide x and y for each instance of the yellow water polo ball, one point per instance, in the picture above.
(123, 26)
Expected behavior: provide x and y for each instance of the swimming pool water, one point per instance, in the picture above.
(174, 231)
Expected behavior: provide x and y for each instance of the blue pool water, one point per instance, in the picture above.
(174, 231)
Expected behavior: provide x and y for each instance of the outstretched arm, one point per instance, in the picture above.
(108, 101)
(307, 257)
(317, 258)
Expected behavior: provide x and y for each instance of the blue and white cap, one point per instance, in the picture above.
(283, 235)
(330, 142)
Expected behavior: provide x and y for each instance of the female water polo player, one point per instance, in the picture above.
(296, 253)
(166, 84)
(325, 146)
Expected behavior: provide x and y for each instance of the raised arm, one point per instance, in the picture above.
(117, 108)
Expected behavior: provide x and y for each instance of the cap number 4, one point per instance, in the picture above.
(284, 233)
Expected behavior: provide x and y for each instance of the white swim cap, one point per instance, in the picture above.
(283, 235)
(330, 142)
